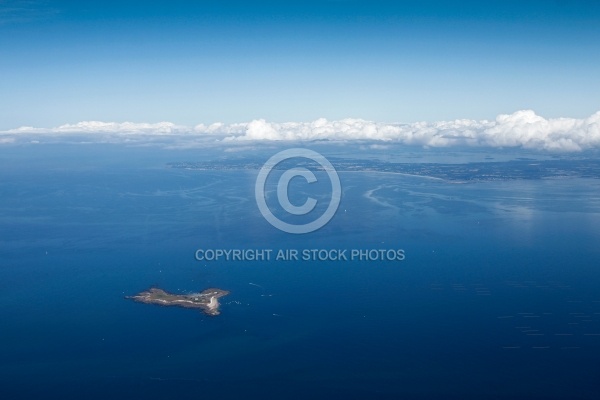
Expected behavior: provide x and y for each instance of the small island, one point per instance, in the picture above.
(206, 300)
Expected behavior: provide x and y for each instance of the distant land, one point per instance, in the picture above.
(456, 173)
(207, 300)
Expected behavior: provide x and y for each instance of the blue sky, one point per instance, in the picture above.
(205, 61)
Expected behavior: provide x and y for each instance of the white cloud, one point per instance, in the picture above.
(526, 129)
(522, 129)
(106, 127)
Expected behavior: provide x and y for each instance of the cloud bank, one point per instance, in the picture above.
(522, 129)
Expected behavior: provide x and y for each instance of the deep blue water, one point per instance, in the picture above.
(497, 297)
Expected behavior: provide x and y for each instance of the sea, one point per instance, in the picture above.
(496, 295)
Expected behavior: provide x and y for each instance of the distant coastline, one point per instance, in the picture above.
(519, 169)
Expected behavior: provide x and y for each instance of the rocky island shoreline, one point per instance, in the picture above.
(207, 300)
